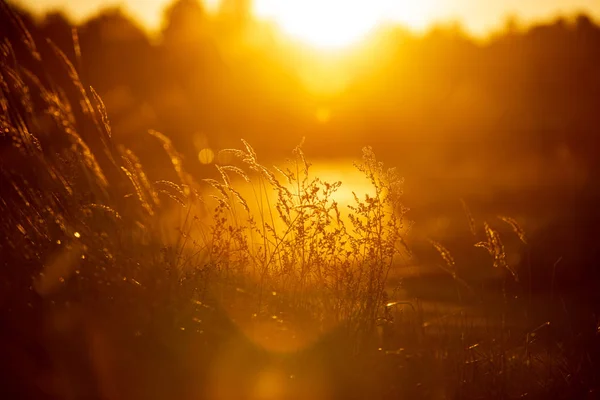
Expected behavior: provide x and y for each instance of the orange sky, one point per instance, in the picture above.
(306, 18)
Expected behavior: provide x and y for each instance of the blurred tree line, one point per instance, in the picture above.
(210, 78)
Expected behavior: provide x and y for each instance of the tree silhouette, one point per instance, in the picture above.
(112, 39)
(185, 23)
(57, 27)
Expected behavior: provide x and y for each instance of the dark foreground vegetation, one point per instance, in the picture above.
(117, 284)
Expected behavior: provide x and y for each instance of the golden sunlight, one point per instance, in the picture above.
(340, 23)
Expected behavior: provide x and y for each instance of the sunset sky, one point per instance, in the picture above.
(311, 20)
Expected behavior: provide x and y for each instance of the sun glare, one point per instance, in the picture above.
(340, 23)
(328, 24)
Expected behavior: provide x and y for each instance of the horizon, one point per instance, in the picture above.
(477, 20)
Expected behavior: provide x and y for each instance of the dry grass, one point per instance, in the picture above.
(175, 269)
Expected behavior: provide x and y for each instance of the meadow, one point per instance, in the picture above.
(262, 281)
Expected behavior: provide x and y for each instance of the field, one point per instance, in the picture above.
(262, 280)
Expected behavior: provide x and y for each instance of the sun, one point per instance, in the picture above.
(340, 23)
(322, 23)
